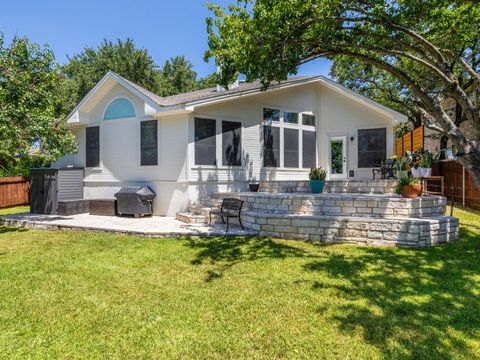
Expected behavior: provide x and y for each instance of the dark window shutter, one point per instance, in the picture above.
(92, 142)
(149, 143)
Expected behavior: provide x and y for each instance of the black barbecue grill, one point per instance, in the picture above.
(135, 200)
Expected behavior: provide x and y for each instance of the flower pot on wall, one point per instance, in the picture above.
(411, 191)
(317, 186)
(416, 172)
(254, 187)
(402, 174)
(426, 172)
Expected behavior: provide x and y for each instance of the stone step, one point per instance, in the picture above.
(190, 218)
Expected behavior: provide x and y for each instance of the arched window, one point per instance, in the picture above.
(119, 109)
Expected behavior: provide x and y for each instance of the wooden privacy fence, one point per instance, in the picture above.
(14, 191)
(458, 183)
(411, 141)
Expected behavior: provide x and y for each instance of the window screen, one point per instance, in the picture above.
(149, 143)
(290, 117)
(309, 149)
(92, 142)
(271, 146)
(290, 152)
(372, 147)
(231, 143)
(205, 142)
(270, 115)
(308, 119)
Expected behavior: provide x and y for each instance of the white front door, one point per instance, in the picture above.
(337, 157)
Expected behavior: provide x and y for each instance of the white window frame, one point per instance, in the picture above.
(356, 142)
(284, 125)
(139, 145)
(116, 97)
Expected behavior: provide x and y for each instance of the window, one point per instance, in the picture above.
(119, 109)
(290, 117)
(290, 148)
(271, 146)
(270, 115)
(92, 143)
(308, 120)
(205, 142)
(231, 143)
(372, 147)
(309, 149)
(148, 143)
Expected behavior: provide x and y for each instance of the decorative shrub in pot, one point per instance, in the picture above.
(402, 167)
(317, 179)
(409, 187)
(426, 162)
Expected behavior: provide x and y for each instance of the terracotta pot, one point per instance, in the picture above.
(411, 191)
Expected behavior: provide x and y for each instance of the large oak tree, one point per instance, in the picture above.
(431, 48)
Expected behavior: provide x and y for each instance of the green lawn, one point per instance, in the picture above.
(85, 295)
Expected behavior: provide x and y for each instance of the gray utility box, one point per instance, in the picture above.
(50, 186)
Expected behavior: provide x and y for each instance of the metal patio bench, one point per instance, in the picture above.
(230, 208)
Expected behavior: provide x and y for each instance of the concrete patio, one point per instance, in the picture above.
(156, 226)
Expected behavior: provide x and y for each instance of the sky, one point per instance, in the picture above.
(166, 28)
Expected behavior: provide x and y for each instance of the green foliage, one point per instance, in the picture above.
(426, 159)
(317, 174)
(406, 54)
(78, 294)
(402, 163)
(177, 76)
(30, 134)
(409, 180)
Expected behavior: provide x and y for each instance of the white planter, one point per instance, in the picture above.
(416, 172)
(426, 172)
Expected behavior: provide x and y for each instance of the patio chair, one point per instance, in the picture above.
(386, 171)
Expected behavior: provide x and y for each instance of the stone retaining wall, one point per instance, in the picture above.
(353, 230)
(332, 186)
(360, 205)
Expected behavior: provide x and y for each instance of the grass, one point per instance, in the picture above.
(88, 295)
(14, 210)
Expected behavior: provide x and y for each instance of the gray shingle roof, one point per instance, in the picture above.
(209, 93)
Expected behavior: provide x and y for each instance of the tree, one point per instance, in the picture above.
(429, 47)
(84, 70)
(178, 76)
(30, 134)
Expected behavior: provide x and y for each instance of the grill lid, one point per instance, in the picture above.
(142, 192)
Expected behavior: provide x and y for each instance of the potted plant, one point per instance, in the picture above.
(253, 185)
(317, 179)
(414, 160)
(426, 161)
(402, 167)
(409, 187)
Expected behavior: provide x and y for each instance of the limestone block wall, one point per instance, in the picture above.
(332, 186)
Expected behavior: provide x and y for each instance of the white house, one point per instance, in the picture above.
(188, 145)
